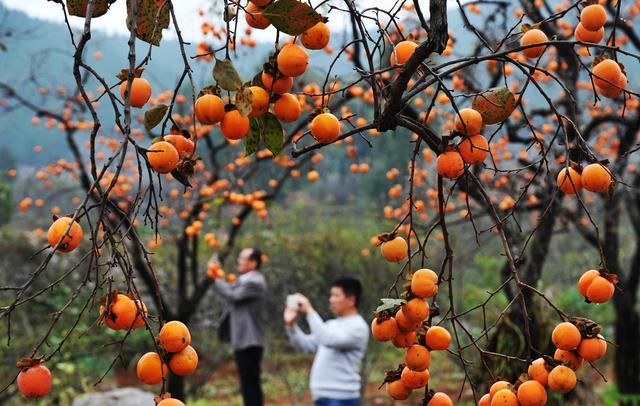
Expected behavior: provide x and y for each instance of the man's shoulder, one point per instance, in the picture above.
(255, 277)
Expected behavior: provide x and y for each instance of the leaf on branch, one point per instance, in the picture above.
(495, 104)
(244, 97)
(230, 13)
(252, 139)
(389, 304)
(124, 73)
(154, 115)
(151, 20)
(79, 7)
(292, 17)
(272, 133)
(226, 75)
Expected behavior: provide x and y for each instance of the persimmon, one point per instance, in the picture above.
(141, 310)
(69, 241)
(468, 121)
(594, 287)
(592, 349)
(562, 379)
(596, 178)
(424, 283)
(569, 181)
(606, 73)
(292, 60)
(504, 397)
(402, 52)
(209, 109)
(313, 175)
(570, 357)
(532, 393)
(397, 390)
(405, 324)
(140, 91)
(534, 36)
(394, 250)
(450, 164)
(437, 338)
(287, 108)
(497, 387)
(566, 336)
(325, 128)
(234, 125)
(538, 371)
(593, 17)
(474, 149)
(416, 309)
(181, 143)
(259, 102)
(174, 336)
(417, 358)
(485, 400)
(261, 3)
(163, 157)
(35, 381)
(121, 313)
(170, 402)
(316, 37)
(404, 339)
(282, 84)
(440, 399)
(384, 330)
(582, 34)
(616, 89)
(184, 362)
(255, 18)
(414, 379)
(150, 369)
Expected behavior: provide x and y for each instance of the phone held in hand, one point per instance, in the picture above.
(292, 302)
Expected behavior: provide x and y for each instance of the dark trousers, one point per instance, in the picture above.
(248, 361)
(336, 402)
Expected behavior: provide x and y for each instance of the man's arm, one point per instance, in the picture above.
(338, 338)
(240, 290)
(301, 341)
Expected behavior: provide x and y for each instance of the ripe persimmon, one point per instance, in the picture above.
(35, 381)
(417, 358)
(593, 17)
(170, 402)
(450, 164)
(405, 324)
(437, 338)
(402, 52)
(485, 400)
(532, 393)
(594, 287)
(414, 379)
(530, 37)
(394, 250)
(261, 3)
(57, 233)
(562, 379)
(606, 74)
(174, 336)
(570, 357)
(416, 309)
(497, 387)
(255, 18)
(234, 125)
(404, 339)
(397, 390)
(468, 121)
(184, 362)
(316, 37)
(150, 369)
(582, 34)
(140, 91)
(325, 128)
(209, 109)
(384, 330)
(281, 85)
(592, 349)
(538, 371)
(287, 108)
(566, 336)
(474, 149)
(181, 143)
(292, 60)
(570, 183)
(121, 314)
(259, 102)
(440, 399)
(424, 283)
(141, 310)
(596, 178)
(504, 397)
(163, 157)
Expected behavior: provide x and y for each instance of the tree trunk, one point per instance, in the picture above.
(627, 339)
(176, 387)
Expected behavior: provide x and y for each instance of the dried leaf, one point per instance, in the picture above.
(226, 75)
(292, 17)
(495, 104)
(79, 7)
(244, 97)
(150, 21)
(154, 115)
(272, 133)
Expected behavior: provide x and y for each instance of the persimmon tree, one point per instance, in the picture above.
(531, 127)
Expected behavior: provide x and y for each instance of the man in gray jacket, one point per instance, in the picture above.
(339, 344)
(243, 317)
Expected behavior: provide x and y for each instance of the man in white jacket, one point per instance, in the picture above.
(339, 344)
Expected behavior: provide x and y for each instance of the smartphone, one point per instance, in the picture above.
(292, 302)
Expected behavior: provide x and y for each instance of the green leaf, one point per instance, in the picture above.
(154, 115)
(244, 97)
(226, 75)
(292, 17)
(389, 304)
(79, 7)
(150, 13)
(252, 140)
(3, 47)
(272, 133)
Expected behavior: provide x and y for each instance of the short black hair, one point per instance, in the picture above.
(256, 255)
(350, 286)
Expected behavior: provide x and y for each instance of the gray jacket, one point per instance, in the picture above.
(245, 300)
